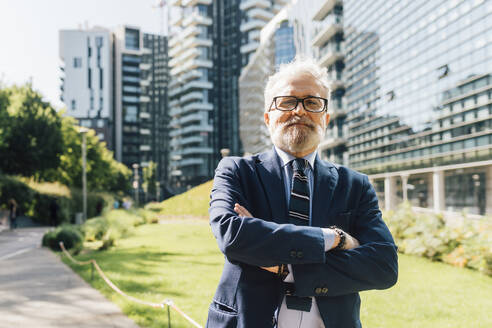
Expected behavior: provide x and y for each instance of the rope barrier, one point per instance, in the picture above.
(169, 303)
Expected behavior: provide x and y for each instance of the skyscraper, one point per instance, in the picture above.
(86, 73)
(211, 40)
(117, 82)
(417, 114)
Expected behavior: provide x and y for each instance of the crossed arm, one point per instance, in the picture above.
(244, 238)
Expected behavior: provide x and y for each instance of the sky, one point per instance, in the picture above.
(29, 35)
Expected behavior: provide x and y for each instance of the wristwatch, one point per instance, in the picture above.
(283, 271)
(341, 234)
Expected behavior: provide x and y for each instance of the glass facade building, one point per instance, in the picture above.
(140, 81)
(416, 110)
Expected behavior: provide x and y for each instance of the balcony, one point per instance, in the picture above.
(193, 74)
(191, 161)
(254, 35)
(325, 8)
(144, 99)
(195, 19)
(189, 3)
(254, 24)
(338, 108)
(144, 115)
(330, 53)
(174, 103)
(327, 28)
(144, 148)
(192, 96)
(196, 42)
(336, 79)
(191, 129)
(197, 106)
(174, 91)
(197, 85)
(176, 110)
(176, 61)
(260, 14)
(144, 66)
(145, 83)
(245, 5)
(175, 3)
(185, 141)
(249, 47)
(192, 151)
(176, 20)
(191, 64)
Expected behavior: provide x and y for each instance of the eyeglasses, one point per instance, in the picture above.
(310, 103)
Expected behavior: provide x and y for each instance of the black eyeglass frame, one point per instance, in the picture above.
(325, 104)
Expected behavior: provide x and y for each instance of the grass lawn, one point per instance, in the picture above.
(180, 260)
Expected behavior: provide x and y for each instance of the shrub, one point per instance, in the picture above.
(70, 235)
(95, 228)
(459, 241)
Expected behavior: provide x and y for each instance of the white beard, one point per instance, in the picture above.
(296, 139)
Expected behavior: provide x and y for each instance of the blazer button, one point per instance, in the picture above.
(300, 255)
(293, 254)
(317, 290)
(324, 290)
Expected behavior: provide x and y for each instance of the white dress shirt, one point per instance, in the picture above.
(287, 318)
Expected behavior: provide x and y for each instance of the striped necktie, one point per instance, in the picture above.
(299, 215)
(299, 194)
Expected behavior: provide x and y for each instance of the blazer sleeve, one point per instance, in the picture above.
(256, 241)
(372, 265)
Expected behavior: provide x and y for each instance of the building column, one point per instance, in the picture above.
(404, 185)
(438, 190)
(488, 190)
(389, 192)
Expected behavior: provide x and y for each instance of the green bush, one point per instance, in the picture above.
(70, 235)
(95, 228)
(459, 241)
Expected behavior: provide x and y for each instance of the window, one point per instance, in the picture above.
(100, 123)
(89, 78)
(100, 78)
(99, 41)
(130, 113)
(73, 106)
(132, 39)
(77, 62)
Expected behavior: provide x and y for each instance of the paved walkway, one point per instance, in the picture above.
(38, 290)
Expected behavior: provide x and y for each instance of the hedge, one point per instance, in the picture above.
(35, 199)
(459, 241)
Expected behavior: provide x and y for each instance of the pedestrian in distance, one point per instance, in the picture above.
(13, 213)
(301, 236)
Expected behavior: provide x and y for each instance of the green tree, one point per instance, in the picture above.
(103, 171)
(31, 139)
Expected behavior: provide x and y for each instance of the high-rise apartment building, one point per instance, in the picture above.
(86, 74)
(121, 80)
(284, 37)
(416, 106)
(210, 41)
(140, 84)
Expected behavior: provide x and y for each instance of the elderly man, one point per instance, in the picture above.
(301, 236)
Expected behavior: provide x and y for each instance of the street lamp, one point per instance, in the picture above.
(135, 182)
(84, 171)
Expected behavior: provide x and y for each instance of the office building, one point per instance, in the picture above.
(116, 83)
(140, 100)
(415, 98)
(86, 73)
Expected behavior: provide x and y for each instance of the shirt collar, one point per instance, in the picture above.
(286, 157)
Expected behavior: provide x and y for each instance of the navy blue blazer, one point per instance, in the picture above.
(247, 296)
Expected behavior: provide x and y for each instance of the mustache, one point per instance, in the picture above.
(299, 120)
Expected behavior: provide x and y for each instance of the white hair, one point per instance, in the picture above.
(298, 67)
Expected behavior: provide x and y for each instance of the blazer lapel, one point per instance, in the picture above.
(325, 182)
(272, 179)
